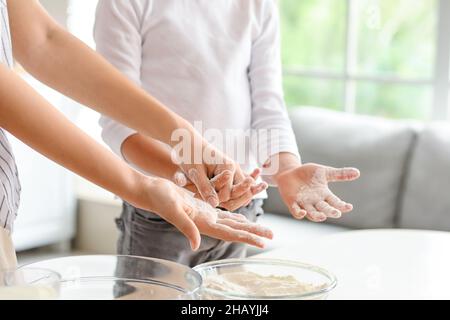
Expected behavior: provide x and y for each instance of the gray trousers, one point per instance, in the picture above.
(145, 234)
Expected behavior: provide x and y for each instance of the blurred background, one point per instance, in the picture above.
(367, 83)
(376, 57)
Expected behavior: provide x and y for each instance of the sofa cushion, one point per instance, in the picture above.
(378, 147)
(426, 202)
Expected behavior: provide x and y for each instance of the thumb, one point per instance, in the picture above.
(180, 179)
(204, 186)
(182, 221)
(342, 174)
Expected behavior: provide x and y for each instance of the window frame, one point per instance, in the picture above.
(439, 82)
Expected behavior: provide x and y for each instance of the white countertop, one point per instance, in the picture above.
(380, 264)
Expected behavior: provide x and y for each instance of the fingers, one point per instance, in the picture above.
(241, 188)
(238, 176)
(240, 202)
(233, 205)
(225, 192)
(343, 174)
(297, 212)
(192, 188)
(227, 186)
(255, 174)
(328, 210)
(226, 233)
(240, 195)
(243, 193)
(221, 184)
(259, 188)
(180, 179)
(230, 215)
(314, 215)
(182, 221)
(204, 186)
(220, 180)
(191, 213)
(248, 226)
(337, 203)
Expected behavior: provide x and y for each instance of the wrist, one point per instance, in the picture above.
(281, 164)
(136, 188)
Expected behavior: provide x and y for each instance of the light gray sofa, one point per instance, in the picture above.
(405, 174)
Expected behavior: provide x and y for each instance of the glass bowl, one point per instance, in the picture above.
(29, 284)
(123, 278)
(316, 283)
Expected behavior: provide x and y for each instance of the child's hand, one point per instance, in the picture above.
(213, 166)
(193, 217)
(241, 194)
(305, 191)
(219, 180)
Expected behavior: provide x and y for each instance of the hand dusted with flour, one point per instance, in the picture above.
(225, 225)
(240, 195)
(305, 191)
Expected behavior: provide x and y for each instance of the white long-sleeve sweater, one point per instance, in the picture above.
(214, 61)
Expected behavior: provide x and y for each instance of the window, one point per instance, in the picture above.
(381, 57)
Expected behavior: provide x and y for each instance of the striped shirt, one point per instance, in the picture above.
(9, 179)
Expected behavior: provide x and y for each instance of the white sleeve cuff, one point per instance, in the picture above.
(270, 146)
(267, 143)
